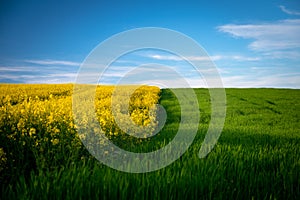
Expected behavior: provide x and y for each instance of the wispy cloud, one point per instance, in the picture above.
(164, 57)
(288, 80)
(38, 78)
(291, 55)
(5, 69)
(40, 71)
(241, 58)
(53, 62)
(191, 58)
(165, 76)
(279, 35)
(206, 58)
(287, 11)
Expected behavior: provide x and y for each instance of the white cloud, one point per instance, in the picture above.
(279, 35)
(231, 81)
(283, 54)
(164, 57)
(288, 80)
(53, 62)
(242, 58)
(33, 78)
(50, 78)
(16, 69)
(190, 58)
(206, 58)
(287, 11)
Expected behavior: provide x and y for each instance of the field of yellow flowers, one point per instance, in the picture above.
(37, 128)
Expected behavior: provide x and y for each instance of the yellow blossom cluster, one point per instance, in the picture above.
(40, 118)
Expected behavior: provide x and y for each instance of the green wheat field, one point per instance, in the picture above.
(256, 157)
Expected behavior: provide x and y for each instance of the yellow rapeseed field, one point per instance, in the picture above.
(38, 118)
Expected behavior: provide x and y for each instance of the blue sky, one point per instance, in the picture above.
(253, 43)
